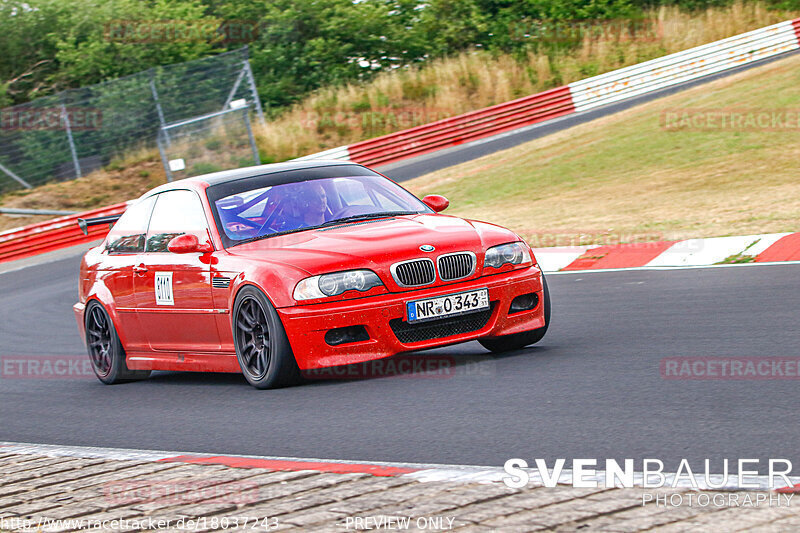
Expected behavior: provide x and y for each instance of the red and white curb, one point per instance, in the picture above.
(417, 471)
(764, 249)
(690, 253)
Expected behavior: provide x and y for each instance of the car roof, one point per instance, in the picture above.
(200, 182)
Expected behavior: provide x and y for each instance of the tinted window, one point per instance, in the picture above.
(128, 234)
(176, 213)
(260, 211)
(358, 192)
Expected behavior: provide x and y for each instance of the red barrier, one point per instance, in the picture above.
(53, 234)
(463, 128)
(796, 24)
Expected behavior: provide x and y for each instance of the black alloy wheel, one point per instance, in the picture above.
(105, 349)
(252, 335)
(262, 347)
(99, 341)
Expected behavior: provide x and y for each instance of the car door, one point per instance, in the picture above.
(124, 247)
(173, 291)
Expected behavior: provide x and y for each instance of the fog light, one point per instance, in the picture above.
(524, 302)
(335, 337)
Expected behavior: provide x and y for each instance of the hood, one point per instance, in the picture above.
(375, 244)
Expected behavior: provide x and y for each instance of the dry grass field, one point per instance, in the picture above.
(627, 177)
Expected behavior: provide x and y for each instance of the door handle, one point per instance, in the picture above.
(139, 269)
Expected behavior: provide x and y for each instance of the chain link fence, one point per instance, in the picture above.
(209, 143)
(69, 134)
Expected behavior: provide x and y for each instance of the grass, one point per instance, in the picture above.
(111, 185)
(741, 257)
(443, 88)
(736, 259)
(625, 178)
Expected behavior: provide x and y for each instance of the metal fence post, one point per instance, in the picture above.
(164, 160)
(158, 105)
(16, 178)
(253, 146)
(67, 127)
(235, 88)
(252, 82)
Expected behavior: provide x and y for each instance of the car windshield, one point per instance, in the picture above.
(263, 209)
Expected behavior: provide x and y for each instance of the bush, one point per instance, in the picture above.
(214, 144)
(204, 168)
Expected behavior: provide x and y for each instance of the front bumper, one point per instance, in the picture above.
(306, 325)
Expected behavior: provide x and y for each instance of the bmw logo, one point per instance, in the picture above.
(427, 248)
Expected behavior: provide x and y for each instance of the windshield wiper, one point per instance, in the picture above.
(366, 216)
(276, 234)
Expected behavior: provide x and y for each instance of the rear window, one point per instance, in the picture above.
(128, 234)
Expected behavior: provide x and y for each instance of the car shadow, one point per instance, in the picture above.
(440, 363)
(428, 364)
(196, 378)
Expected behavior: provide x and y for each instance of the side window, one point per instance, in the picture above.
(128, 234)
(175, 213)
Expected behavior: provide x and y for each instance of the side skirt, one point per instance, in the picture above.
(187, 362)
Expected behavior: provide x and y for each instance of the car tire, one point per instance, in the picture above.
(516, 341)
(105, 349)
(262, 347)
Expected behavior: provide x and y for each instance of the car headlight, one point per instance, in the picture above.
(335, 284)
(515, 253)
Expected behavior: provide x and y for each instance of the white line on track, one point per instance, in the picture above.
(424, 472)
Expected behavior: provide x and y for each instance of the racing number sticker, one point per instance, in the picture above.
(164, 288)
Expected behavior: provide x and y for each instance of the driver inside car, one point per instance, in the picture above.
(309, 207)
(314, 204)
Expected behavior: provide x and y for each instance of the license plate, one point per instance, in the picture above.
(450, 305)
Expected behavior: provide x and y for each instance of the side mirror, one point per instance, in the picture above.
(187, 244)
(436, 202)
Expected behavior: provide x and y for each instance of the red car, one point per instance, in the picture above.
(277, 269)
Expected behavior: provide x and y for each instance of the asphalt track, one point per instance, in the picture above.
(591, 389)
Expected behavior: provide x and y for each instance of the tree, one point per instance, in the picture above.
(304, 45)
